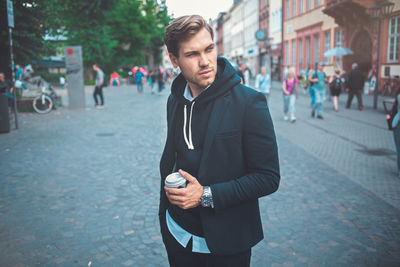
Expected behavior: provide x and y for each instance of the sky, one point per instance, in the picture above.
(206, 8)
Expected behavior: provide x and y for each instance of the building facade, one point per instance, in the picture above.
(250, 24)
(263, 22)
(307, 33)
(360, 34)
(218, 26)
(237, 32)
(275, 34)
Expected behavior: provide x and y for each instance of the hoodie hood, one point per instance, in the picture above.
(225, 80)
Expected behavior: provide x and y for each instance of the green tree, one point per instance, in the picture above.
(29, 21)
(138, 26)
(84, 24)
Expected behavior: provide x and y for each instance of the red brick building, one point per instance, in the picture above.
(360, 32)
(307, 33)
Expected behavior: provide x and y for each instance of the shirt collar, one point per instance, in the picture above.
(188, 95)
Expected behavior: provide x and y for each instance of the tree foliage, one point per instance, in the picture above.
(112, 33)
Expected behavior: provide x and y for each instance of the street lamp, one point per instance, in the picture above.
(379, 12)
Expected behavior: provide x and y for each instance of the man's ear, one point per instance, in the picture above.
(174, 60)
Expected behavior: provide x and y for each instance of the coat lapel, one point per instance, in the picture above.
(217, 113)
(168, 158)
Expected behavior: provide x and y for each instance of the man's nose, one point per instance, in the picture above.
(203, 60)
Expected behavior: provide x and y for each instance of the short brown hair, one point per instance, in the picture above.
(181, 29)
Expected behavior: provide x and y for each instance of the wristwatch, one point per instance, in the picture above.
(206, 199)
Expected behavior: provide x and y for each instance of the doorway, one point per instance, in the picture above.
(362, 47)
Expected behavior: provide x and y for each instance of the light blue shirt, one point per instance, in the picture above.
(183, 237)
(263, 83)
(199, 244)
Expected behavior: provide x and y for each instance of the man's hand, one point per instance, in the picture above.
(185, 198)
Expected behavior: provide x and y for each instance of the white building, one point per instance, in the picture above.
(227, 36)
(237, 32)
(250, 24)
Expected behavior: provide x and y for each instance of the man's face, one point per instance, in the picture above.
(320, 68)
(197, 60)
(2, 78)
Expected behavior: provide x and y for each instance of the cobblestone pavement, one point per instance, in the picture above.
(81, 187)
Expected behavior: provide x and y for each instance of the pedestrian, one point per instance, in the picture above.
(19, 76)
(290, 93)
(263, 82)
(355, 85)
(395, 114)
(6, 88)
(114, 79)
(240, 72)
(139, 80)
(310, 71)
(335, 87)
(153, 79)
(62, 82)
(222, 141)
(247, 75)
(372, 82)
(160, 79)
(318, 78)
(98, 89)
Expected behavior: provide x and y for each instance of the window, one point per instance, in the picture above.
(308, 50)
(316, 48)
(317, 3)
(338, 38)
(338, 41)
(293, 52)
(294, 8)
(327, 41)
(300, 45)
(287, 9)
(287, 53)
(394, 39)
(301, 6)
(308, 5)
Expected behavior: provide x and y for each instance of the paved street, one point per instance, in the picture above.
(81, 187)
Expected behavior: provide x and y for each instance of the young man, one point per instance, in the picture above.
(98, 89)
(222, 141)
(263, 82)
(318, 78)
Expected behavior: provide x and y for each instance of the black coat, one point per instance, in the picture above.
(239, 162)
(355, 81)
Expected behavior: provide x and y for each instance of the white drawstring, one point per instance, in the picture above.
(189, 142)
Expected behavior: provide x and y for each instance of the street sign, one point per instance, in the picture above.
(10, 13)
(75, 86)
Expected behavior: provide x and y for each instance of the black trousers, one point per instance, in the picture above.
(179, 256)
(98, 90)
(350, 98)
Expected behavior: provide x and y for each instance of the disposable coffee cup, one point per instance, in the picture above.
(175, 180)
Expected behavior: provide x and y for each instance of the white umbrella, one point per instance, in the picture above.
(338, 52)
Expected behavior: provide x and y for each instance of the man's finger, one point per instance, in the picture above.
(187, 176)
(174, 198)
(174, 191)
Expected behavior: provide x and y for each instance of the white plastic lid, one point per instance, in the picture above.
(175, 180)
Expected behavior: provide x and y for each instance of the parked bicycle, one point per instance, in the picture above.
(45, 101)
(390, 86)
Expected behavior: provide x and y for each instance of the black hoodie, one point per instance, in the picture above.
(190, 129)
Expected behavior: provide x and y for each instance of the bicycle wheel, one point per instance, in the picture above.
(42, 104)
